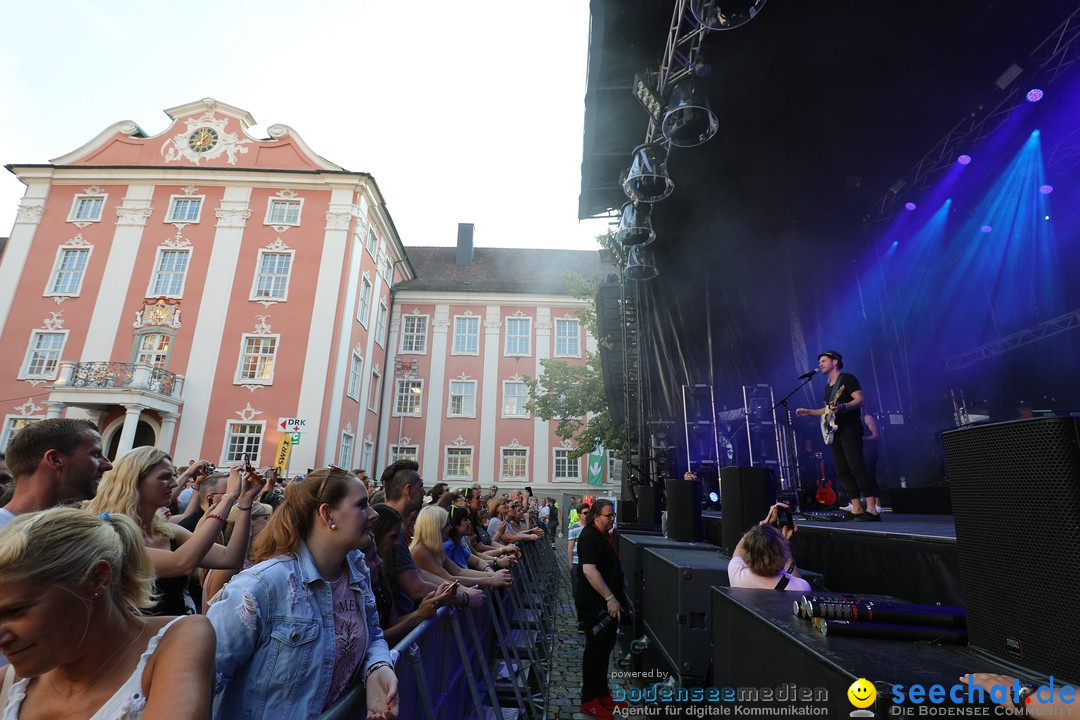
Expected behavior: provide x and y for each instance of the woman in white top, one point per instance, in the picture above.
(73, 586)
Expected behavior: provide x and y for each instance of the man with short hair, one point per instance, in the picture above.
(54, 462)
(405, 493)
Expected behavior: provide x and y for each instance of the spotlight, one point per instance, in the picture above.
(635, 225)
(910, 205)
(986, 228)
(724, 14)
(639, 265)
(964, 159)
(688, 119)
(1034, 95)
(1046, 189)
(895, 243)
(647, 180)
(714, 497)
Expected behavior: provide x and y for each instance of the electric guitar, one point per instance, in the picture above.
(828, 420)
(825, 495)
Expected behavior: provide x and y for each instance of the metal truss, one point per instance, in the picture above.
(1050, 60)
(1056, 326)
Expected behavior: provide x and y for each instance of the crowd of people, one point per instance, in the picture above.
(125, 586)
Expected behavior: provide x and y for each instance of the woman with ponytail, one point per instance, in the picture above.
(73, 590)
(294, 630)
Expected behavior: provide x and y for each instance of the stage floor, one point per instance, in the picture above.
(928, 527)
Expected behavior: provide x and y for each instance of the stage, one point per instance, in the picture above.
(911, 557)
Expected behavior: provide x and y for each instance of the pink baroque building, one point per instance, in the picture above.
(464, 333)
(192, 289)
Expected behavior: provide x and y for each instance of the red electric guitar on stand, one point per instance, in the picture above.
(825, 495)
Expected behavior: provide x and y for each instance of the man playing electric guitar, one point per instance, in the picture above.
(843, 398)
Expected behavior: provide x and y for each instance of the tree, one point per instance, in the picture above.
(572, 394)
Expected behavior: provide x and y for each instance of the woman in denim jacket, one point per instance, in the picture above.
(294, 630)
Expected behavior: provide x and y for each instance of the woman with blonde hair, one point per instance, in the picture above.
(139, 485)
(294, 629)
(432, 529)
(73, 587)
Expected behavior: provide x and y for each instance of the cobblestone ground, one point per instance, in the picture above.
(564, 691)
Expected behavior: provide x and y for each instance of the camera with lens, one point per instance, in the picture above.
(784, 518)
(605, 621)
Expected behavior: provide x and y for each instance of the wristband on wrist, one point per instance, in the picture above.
(243, 509)
(376, 666)
(215, 516)
(609, 598)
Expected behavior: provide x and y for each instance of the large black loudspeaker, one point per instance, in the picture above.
(684, 510)
(746, 494)
(1016, 502)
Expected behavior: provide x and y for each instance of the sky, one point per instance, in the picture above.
(465, 111)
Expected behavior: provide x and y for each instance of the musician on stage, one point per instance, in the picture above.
(843, 398)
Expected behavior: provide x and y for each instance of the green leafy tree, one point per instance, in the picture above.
(572, 394)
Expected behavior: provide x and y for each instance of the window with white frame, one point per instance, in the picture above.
(515, 395)
(345, 455)
(407, 397)
(68, 272)
(380, 325)
(466, 335)
(567, 337)
(43, 354)
(356, 368)
(366, 455)
(386, 269)
(170, 272)
(243, 438)
(363, 311)
(403, 452)
(374, 390)
(565, 468)
(515, 463)
(14, 423)
(518, 336)
(87, 208)
(153, 349)
(184, 209)
(272, 275)
(458, 463)
(372, 243)
(257, 354)
(462, 399)
(283, 212)
(414, 334)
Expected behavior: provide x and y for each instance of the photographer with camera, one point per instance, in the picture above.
(599, 592)
(762, 559)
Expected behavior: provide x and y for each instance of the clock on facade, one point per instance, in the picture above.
(203, 139)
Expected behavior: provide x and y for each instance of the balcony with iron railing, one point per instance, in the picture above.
(103, 383)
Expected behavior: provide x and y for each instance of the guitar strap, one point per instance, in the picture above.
(834, 390)
(783, 583)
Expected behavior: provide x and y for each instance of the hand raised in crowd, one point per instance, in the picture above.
(774, 515)
(253, 486)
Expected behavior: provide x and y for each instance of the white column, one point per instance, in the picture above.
(54, 409)
(109, 310)
(436, 404)
(168, 427)
(541, 444)
(209, 332)
(127, 435)
(18, 245)
(487, 471)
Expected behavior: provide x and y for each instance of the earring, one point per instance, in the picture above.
(333, 526)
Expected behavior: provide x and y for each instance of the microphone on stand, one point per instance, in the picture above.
(806, 375)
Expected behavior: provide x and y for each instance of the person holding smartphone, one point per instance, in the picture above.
(762, 559)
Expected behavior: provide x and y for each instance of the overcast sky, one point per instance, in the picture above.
(464, 111)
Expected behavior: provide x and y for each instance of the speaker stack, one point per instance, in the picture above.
(746, 494)
(1016, 504)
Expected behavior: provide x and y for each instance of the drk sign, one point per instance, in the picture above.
(291, 425)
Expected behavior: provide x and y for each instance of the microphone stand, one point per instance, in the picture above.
(793, 454)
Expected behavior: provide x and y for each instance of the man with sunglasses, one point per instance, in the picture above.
(599, 593)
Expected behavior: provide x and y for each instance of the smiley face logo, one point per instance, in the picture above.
(862, 693)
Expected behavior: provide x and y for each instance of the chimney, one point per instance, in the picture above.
(464, 244)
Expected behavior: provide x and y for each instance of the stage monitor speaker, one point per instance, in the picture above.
(675, 605)
(746, 494)
(1016, 504)
(684, 510)
(649, 504)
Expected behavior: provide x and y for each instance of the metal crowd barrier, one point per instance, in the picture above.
(491, 662)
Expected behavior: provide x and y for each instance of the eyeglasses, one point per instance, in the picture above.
(607, 514)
